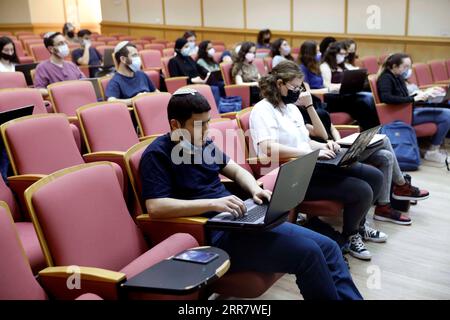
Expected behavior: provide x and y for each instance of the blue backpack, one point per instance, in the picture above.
(404, 142)
(230, 104)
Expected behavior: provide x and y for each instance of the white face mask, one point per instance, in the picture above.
(135, 64)
(211, 52)
(250, 57)
(63, 51)
(285, 51)
(186, 51)
(340, 58)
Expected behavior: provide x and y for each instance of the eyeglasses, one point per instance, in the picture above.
(300, 89)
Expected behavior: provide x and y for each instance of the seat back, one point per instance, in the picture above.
(438, 70)
(168, 52)
(206, 92)
(423, 74)
(127, 38)
(148, 38)
(226, 73)
(243, 119)
(39, 52)
(447, 63)
(96, 229)
(20, 97)
(17, 281)
(12, 80)
(103, 82)
(101, 49)
(151, 59)
(40, 144)
(106, 39)
(268, 61)
(155, 46)
(107, 126)
(259, 63)
(68, 96)
(374, 88)
(165, 65)
(132, 162)
(19, 48)
(371, 64)
(151, 113)
(161, 41)
(229, 138)
(7, 196)
(29, 42)
(153, 75)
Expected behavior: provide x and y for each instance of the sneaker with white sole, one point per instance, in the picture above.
(436, 156)
(370, 234)
(357, 248)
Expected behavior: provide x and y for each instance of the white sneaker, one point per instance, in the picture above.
(435, 156)
(357, 248)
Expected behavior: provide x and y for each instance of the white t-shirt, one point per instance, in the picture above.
(7, 68)
(283, 125)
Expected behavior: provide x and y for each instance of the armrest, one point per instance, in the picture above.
(173, 84)
(149, 137)
(157, 230)
(229, 115)
(390, 112)
(72, 119)
(346, 130)
(18, 184)
(105, 283)
(443, 82)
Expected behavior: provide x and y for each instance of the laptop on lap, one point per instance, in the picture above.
(289, 191)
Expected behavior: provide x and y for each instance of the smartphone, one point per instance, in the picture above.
(194, 256)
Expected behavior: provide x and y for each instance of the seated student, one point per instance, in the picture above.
(68, 31)
(351, 47)
(382, 157)
(206, 53)
(325, 43)
(87, 55)
(8, 55)
(392, 90)
(128, 81)
(278, 130)
(280, 51)
(309, 61)
(244, 72)
(360, 106)
(191, 38)
(175, 188)
(55, 69)
(263, 40)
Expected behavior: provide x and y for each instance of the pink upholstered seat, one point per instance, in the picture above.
(168, 52)
(371, 64)
(107, 126)
(234, 90)
(153, 75)
(16, 98)
(439, 71)
(12, 80)
(39, 52)
(206, 92)
(155, 46)
(151, 59)
(423, 74)
(96, 230)
(341, 118)
(68, 96)
(151, 113)
(260, 65)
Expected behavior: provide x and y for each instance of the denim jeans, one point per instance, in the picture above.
(440, 116)
(314, 259)
(383, 157)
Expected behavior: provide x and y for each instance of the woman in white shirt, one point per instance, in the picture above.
(8, 56)
(278, 131)
(360, 106)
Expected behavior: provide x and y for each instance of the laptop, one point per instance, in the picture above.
(346, 157)
(289, 191)
(108, 61)
(214, 77)
(98, 91)
(441, 99)
(353, 81)
(12, 114)
(26, 70)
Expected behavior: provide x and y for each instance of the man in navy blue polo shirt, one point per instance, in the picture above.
(180, 178)
(129, 81)
(87, 55)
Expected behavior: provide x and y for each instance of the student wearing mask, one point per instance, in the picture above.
(280, 51)
(69, 32)
(87, 55)
(206, 53)
(182, 65)
(263, 40)
(351, 47)
(309, 61)
(56, 69)
(187, 190)
(8, 56)
(360, 106)
(278, 130)
(128, 81)
(325, 43)
(191, 38)
(244, 72)
(392, 89)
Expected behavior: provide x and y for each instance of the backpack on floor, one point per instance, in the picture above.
(404, 142)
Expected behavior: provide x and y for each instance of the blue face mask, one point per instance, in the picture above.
(318, 57)
(407, 74)
(186, 52)
(186, 145)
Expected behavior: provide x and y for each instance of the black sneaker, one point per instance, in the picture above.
(357, 248)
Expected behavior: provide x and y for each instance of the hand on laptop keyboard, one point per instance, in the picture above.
(326, 154)
(231, 204)
(333, 146)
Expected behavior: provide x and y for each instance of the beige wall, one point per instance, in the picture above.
(14, 11)
(183, 12)
(114, 10)
(429, 18)
(223, 14)
(47, 11)
(332, 16)
(146, 11)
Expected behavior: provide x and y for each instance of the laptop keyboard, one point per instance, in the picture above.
(254, 214)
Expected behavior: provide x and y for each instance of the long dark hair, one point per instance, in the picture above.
(285, 71)
(307, 57)
(5, 41)
(351, 58)
(261, 36)
(325, 43)
(203, 52)
(239, 59)
(275, 49)
(330, 55)
(395, 59)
